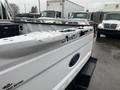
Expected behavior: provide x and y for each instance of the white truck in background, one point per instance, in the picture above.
(59, 9)
(110, 25)
(82, 18)
(64, 6)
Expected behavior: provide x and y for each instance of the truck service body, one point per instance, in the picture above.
(44, 60)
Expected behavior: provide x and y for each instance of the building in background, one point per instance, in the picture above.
(111, 7)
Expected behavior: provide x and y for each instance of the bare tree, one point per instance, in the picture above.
(15, 9)
(34, 9)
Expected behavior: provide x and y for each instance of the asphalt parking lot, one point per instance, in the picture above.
(107, 72)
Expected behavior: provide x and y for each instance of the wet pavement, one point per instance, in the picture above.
(107, 73)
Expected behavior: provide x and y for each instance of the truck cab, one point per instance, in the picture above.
(50, 16)
(110, 25)
(81, 18)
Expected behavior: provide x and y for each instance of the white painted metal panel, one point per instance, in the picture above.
(50, 70)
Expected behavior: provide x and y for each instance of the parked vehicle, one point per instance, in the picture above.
(80, 18)
(63, 6)
(51, 16)
(7, 28)
(54, 57)
(110, 26)
(57, 10)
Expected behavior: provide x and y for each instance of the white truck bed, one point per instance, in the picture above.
(37, 62)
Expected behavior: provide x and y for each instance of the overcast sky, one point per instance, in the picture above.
(92, 5)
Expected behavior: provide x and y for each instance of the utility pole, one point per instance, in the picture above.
(25, 7)
(39, 5)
